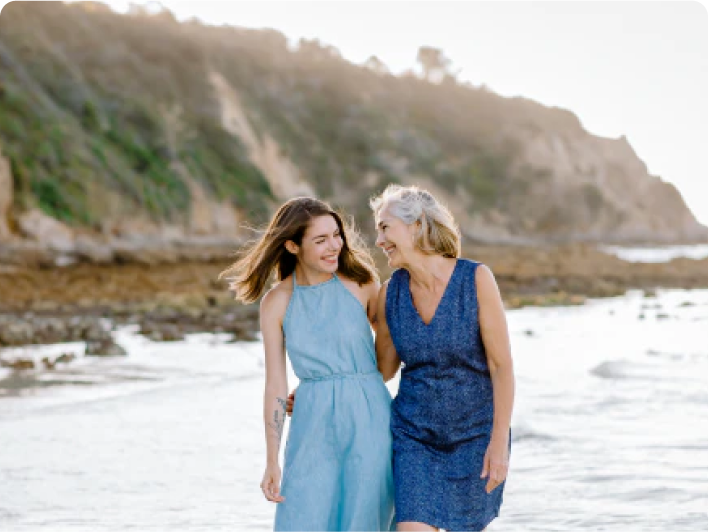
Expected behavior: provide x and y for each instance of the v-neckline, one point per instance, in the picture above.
(442, 298)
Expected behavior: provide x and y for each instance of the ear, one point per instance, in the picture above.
(292, 247)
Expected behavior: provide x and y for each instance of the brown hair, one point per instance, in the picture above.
(260, 258)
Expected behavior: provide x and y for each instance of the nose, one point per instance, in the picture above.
(380, 239)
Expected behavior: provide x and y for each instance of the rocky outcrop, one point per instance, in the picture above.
(47, 231)
(580, 187)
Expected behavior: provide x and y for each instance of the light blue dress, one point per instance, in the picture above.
(337, 473)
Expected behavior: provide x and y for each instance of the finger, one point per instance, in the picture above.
(497, 475)
(491, 485)
(485, 468)
(501, 471)
(273, 493)
(268, 492)
(277, 497)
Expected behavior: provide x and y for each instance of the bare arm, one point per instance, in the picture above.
(495, 336)
(372, 304)
(386, 356)
(276, 382)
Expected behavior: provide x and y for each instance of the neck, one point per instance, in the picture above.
(429, 271)
(308, 277)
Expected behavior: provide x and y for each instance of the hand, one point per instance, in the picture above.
(496, 463)
(270, 485)
(290, 403)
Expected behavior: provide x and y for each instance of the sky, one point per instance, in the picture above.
(632, 68)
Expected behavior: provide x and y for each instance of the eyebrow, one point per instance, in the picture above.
(326, 235)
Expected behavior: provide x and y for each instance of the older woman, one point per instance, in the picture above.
(442, 316)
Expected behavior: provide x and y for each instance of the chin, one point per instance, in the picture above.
(330, 268)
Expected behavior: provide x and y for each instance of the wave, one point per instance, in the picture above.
(526, 433)
(624, 369)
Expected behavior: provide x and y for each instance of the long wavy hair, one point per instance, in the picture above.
(260, 258)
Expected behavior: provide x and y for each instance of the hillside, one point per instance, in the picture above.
(118, 129)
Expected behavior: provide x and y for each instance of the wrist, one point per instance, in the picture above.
(500, 436)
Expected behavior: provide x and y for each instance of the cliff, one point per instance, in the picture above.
(127, 134)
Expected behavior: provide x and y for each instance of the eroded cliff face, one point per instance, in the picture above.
(194, 132)
(573, 186)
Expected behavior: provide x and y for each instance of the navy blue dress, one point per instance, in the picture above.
(441, 419)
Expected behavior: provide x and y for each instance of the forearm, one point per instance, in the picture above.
(388, 366)
(503, 389)
(274, 419)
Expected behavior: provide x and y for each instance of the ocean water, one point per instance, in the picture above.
(657, 254)
(610, 427)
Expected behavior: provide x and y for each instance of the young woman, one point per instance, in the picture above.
(337, 473)
(443, 317)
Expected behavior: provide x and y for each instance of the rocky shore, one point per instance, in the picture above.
(168, 299)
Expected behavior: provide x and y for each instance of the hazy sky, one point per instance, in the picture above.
(634, 68)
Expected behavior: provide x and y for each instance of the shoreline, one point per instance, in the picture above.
(167, 300)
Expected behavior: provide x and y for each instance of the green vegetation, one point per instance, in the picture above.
(96, 105)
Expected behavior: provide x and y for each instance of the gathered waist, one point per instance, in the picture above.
(335, 376)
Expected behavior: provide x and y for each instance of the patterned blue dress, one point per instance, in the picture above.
(441, 419)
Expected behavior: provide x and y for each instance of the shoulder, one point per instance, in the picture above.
(275, 301)
(370, 289)
(475, 267)
(481, 273)
(485, 282)
(397, 276)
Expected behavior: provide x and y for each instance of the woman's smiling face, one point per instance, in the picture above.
(395, 238)
(321, 245)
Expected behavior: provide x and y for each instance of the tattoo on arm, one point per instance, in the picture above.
(278, 419)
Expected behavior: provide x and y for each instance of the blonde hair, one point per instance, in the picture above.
(439, 233)
(267, 255)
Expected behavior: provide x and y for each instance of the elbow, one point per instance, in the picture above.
(389, 373)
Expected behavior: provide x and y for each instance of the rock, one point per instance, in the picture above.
(51, 233)
(48, 364)
(16, 333)
(93, 250)
(104, 348)
(163, 332)
(243, 333)
(18, 364)
(65, 358)
(93, 331)
(649, 293)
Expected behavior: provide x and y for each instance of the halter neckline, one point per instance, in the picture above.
(311, 286)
